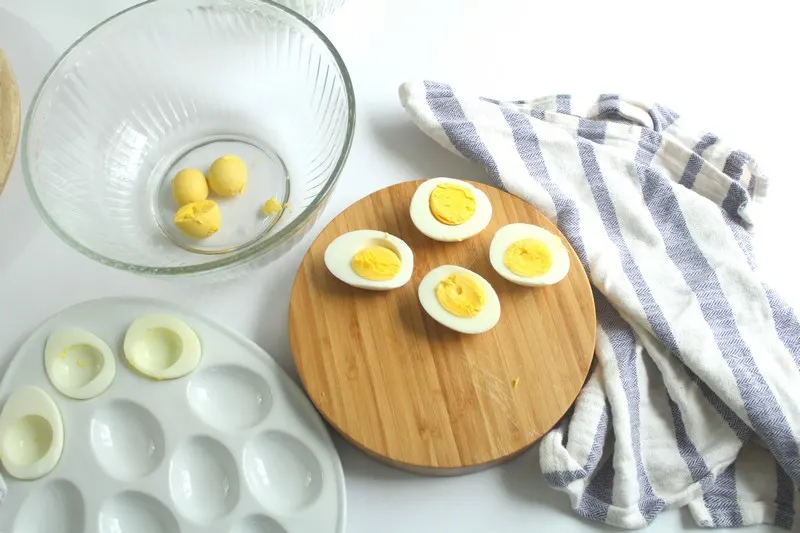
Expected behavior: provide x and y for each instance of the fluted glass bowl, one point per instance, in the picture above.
(170, 84)
(313, 9)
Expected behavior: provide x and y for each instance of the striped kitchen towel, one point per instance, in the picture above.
(695, 396)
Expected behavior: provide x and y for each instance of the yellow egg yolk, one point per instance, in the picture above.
(461, 295)
(271, 207)
(528, 258)
(189, 185)
(452, 204)
(199, 219)
(376, 263)
(227, 176)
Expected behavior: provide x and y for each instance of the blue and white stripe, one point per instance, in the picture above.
(697, 357)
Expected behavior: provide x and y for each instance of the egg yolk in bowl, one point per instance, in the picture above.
(460, 295)
(452, 204)
(528, 258)
(376, 263)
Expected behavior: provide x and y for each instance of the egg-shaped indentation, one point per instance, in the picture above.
(461, 210)
(283, 474)
(465, 292)
(257, 524)
(136, 512)
(31, 434)
(528, 255)
(203, 480)
(79, 364)
(87, 364)
(58, 507)
(127, 440)
(162, 347)
(229, 397)
(28, 440)
(370, 259)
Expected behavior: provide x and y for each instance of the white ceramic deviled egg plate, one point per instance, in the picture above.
(232, 447)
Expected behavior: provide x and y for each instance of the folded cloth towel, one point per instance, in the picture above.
(695, 397)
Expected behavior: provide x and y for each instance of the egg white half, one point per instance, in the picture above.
(509, 234)
(485, 320)
(340, 252)
(162, 347)
(31, 434)
(81, 375)
(429, 226)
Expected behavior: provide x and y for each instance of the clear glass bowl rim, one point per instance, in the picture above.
(248, 254)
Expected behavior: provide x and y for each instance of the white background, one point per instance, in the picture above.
(731, 70)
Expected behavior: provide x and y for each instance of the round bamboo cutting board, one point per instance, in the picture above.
(415, 394)
(9, 119)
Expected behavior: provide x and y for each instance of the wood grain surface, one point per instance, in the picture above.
(415, 394)
(9, 119)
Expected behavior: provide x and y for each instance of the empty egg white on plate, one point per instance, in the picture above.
(79, 364)
(528, 255)
(370, 259)
(162, 347)
(31, 434)
(459, 299)
(449, 210)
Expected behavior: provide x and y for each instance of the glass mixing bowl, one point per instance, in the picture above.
(313, 9)
(170, 84)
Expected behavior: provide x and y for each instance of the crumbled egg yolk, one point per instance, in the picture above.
(452, 204)
(271, 207)
(376, 263)
(65, 353)
(528, 258)
(461, 295)
(199, 219)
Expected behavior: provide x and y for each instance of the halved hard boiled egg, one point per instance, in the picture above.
(528, 255)
(162, 347)
(370, 259)
(450, 210)
(79, 364)
(459, 299)
(31, 434)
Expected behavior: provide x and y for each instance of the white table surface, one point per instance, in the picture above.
(724, 66)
